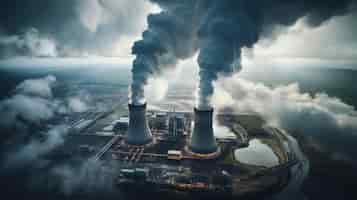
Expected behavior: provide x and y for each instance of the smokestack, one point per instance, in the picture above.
(139, 132)
(202, 138)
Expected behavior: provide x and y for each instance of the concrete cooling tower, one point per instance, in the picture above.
(202, 139)
(138, 132)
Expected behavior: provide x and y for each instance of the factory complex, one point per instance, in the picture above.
(180, 152)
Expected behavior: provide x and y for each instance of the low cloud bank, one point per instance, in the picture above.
(326, 120)
(37, 87)
(33, 102)
(71, 28)
(91, 177)
(26, 114)
(29, 43)
(33, 150)
(30, 135)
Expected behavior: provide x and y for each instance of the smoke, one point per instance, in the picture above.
(326, 120)
(231, 25)
(218, 30)
(170, 36)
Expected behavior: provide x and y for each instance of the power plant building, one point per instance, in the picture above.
(122, 124)
(138, 132)
(176, 125)
(202, 140)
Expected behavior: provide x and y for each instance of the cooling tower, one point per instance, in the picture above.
(202, 138)
(138, 132)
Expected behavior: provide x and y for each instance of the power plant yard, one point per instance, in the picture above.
(161, 153)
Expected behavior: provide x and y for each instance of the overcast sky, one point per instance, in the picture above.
(103, 29)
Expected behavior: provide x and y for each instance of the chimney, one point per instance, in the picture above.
(202, 138)
(138, 132)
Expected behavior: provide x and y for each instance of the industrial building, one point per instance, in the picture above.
(138, 132)
(202, 140)
(177, 151)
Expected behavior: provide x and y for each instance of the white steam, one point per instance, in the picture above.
(157, 89)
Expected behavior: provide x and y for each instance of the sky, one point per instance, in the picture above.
(40, 31)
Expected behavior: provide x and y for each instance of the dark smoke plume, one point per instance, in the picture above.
(170, 36)
(219, 30)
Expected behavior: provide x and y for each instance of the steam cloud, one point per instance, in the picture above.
(219, 30)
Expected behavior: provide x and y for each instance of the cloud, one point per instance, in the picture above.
(75, 104)
(331, 44)
(28, 135)
(91, 14)
(89, 176)
(37, 87)
(36, 148)
(70, 28)
(29, 43)
(25, 109)
(33, 103)
(327, 120)
(75, 28)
